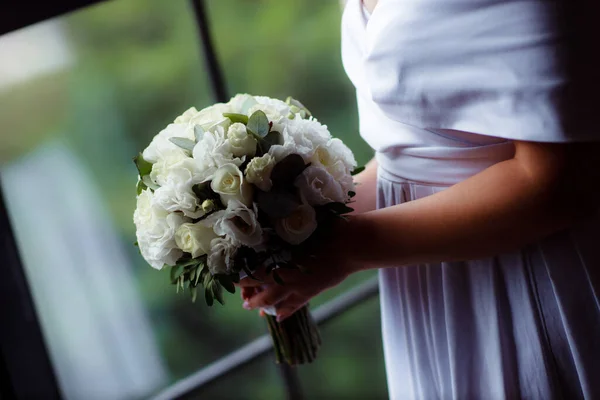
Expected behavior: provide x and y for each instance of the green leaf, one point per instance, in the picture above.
(277, 278)
(208, 296)
(286, 170)
(176, 272)
(193, 293)
(277, 203)
(187, 262)
(271, 139)
(141, 186)
(184, 143)
(199, 271)
(198, 133)
(237, 118)
(226, 282)
(144, 167)
(258, 124)
(218, 292)
(339, 208)
(357, 170)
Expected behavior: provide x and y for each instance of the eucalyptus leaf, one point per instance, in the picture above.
(144, 167)
(271, 139)
(357, 170)
(258, 124)
(184, 143)
(286, 170)
(295, 104)
(198, 133)
(208, 296)
(226, 282)
(176, 272)
(193, 293)
(237, 117)
(277, 203)
(199, 270)
(218, 292)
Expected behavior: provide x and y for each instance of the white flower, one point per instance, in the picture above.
(195, 238)
(212, 117)
(186, 116)
(305, 135)
(319, 187)
(298, 226)
(228, 181)
(212, 152)
(155, 231)
(277, 107)
(241, 103)
(166, 165)
(175, 192)
(242, 144)
(259, 171)
(338, 160)
(221, 256)
(160, 145)
(240, 223)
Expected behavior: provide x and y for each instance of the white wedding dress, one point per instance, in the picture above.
(443, 88)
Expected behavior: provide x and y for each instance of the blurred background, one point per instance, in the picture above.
(83, 93)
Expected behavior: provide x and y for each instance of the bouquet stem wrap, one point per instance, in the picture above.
(296, 340)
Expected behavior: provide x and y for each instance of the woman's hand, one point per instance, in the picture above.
(329, 267)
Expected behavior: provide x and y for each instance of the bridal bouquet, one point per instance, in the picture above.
(236, 187)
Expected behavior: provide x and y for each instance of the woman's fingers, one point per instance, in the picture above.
(289, 306)
(269, 296)
(261, 279)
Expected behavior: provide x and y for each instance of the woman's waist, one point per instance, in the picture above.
(439, 165)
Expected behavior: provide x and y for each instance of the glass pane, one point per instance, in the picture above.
(79, 96)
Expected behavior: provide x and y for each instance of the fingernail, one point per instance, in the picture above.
(246, 305)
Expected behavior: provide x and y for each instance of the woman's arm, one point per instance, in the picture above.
(366, 189)
(543, 189)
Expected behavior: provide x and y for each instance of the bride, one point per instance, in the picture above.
(480, 207)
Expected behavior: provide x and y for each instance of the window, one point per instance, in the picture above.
(79, 96)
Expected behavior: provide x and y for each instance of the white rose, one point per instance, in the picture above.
(212, 117)
(165, 165)
(212, 152)
(240, 223)
(195, 238)
(228, 181)
(338, 160)
(221, 256)
(306, 135)
(175, 192)
(242, 144)
(278, 107)
(186, 116)
(298, 226)
(160, 145)
(319, 187)
(258, 172)
(155, 231)
(241, 103)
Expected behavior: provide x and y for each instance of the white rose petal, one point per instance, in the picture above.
(160, 145)
(241, 103)
(186, 116)
(212, 152)
(175, 192)
(228, 181)
(319, 187)
(242, 144)
(155, 231)
(240, 223)
(221, 256)
(258, 172)
(212, 117)
(195, 238)
(298, 226)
